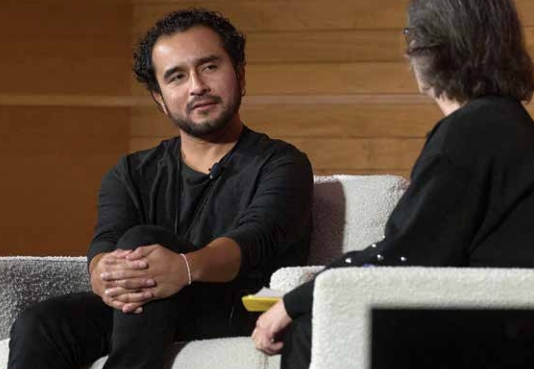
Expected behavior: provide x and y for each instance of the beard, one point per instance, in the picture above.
(209, 126)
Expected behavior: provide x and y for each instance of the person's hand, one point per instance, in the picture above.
(269, 328)
(166, 268)
(115, 263)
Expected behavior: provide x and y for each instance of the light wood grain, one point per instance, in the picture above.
(285, 15)
(342, 153)
(52, 160)
(65, 47)
(325, 46)
(356, 121)
(281, 15)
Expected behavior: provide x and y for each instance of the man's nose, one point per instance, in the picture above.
(198, 85)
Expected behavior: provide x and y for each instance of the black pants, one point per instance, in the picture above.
(296, 353)
(74, 330)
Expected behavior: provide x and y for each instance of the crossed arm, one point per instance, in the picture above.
(274, 220)
(126, 279)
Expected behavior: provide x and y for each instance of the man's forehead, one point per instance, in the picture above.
(188, 47)
(196, 39)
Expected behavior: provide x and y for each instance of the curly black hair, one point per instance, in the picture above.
(464, 49)
(179, 21)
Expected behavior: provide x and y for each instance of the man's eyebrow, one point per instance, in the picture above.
(170, 72)
(207, 59)
(199, 61)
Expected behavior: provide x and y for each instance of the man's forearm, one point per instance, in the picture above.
(219, 261)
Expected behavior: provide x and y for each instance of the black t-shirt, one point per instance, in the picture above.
(193, 187)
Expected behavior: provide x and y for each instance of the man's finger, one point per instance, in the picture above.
(135, 297)
(121, 253)
(136, 283)
(132, 308)
(115, 304)
(274, 348)
(138, 253)
(121, 274)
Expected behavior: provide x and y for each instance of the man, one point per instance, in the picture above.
(471, 198)
(186, 228)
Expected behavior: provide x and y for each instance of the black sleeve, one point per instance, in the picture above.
(117, 212)
(432, 225)
(300, 300)
(279, 214)
(436, 220)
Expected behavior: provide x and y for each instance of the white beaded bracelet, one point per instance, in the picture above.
(188, 268)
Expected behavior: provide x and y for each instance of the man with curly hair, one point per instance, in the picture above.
(184, 229)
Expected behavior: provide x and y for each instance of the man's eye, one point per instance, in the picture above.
(210, 67)
(178, 77)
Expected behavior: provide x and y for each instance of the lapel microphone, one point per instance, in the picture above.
(215, 171)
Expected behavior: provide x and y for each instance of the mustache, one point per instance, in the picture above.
(209, 99)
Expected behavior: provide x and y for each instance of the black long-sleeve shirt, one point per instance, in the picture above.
(470, 201)
(261, 199)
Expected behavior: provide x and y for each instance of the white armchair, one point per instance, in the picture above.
(344, 299)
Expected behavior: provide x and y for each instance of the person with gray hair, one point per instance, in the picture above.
(471, 197)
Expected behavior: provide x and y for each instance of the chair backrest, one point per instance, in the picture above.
(350, 212)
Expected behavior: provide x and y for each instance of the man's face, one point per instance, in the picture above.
(200, 91)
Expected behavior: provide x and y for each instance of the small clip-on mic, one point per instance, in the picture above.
(215, 171)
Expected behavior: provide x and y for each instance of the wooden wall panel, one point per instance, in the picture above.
(325, 46)
(344, 155)
(65, 72)
(281, 15)
(313, 72)
(298, 15)
(52, 160)
(310, 120)
(65, 47)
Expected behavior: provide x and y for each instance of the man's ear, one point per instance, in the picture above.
(156, 96)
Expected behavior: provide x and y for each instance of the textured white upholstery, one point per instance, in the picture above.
(349, 213)
(344, 297)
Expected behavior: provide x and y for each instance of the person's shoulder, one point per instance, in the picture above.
(482, 121)
(139, 160)
(485, 128)
(490, 114)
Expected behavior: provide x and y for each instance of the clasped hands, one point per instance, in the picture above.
(128, 279)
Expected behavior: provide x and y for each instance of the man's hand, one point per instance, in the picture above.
(269, 327)
(166, 268)
(115, 263)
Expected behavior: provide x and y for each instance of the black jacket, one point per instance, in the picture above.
(470, 201)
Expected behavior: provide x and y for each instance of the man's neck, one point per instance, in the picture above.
(201, 153)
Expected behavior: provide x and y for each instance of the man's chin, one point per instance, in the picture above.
(202, 129)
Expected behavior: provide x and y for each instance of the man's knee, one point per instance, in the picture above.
(144, 235)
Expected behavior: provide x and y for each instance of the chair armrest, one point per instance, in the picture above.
(27, 280)
(286, 279)
(343, 299)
